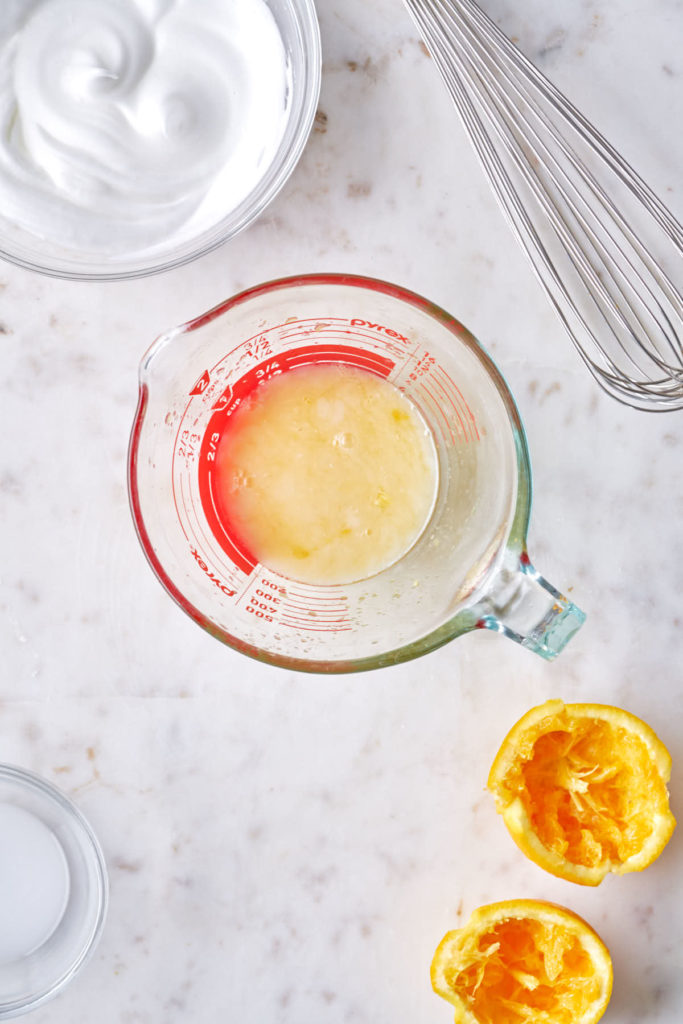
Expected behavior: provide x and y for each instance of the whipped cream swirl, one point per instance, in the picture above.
(124, 123)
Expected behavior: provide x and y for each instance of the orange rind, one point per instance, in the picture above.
(582, 789)
(524, 962)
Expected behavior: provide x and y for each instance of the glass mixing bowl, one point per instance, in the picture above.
(298, 27)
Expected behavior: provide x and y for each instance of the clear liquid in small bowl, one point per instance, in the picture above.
(34, 883)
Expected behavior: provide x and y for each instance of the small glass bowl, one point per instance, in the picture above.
(298, 25)
(33, 976)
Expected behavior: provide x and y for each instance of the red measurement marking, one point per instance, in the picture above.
(314, 602)
(388, 347)
(315, 620)
(438, 406)
(404, 368)
(201, 385)
(217, 515)
(220, 526)
(313, 617)
(334, 613)
(462, 402)
(180, 504)
(315, 629)
(462, 428)
(347, 355)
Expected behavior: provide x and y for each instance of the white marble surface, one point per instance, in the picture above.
(291, 848)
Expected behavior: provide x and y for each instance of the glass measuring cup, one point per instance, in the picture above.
(469, 568)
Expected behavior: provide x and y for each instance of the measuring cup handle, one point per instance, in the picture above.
(522, 605)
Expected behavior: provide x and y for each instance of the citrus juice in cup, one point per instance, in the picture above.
(326, 473)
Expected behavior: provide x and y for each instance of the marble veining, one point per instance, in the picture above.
(291, 848)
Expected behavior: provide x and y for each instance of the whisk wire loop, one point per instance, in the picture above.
(578, 215)
(587, 218)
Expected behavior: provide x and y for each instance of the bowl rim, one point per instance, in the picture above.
(233, 223)
(23, 778)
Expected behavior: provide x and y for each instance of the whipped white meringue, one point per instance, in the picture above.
(127, 123)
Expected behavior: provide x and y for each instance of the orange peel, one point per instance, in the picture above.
(582, 789)
(524, 961)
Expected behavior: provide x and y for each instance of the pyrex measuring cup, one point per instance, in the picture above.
(468, 569)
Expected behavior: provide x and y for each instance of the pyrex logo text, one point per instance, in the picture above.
(214, 579)
(379, 327)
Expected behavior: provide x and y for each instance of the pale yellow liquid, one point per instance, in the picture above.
(328, 474)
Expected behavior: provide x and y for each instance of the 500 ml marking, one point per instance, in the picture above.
(267, 600)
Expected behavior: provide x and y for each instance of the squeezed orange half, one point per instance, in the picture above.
(524, 962)
(582, 789)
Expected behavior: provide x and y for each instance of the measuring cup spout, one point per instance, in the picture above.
(522, 605)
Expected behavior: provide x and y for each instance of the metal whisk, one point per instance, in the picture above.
(604, 247)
